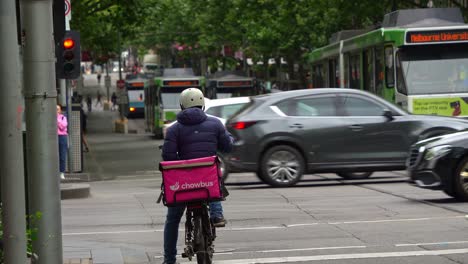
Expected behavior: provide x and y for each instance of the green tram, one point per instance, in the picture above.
(162, 104)
(231, 84)
(418, 59)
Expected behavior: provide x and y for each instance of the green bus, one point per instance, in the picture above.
(418, 59)
(162, 97)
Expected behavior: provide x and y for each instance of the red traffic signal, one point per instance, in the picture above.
(68, 64)
(68, 43)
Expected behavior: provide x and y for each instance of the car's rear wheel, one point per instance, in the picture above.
(461, 181)
(282, 166)
(355, 175)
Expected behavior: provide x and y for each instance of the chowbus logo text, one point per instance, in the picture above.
(188, 186)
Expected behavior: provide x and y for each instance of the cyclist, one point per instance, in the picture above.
(195, 135)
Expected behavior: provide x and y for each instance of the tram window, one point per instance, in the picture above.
(389, 67)
(379, 75)
(368, 68)
(317, 76)
(354, 71)
(334, 75)
(346, 73)
(401, 83)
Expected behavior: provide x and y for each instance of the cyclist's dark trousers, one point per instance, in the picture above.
(171, 232)
(171, 228)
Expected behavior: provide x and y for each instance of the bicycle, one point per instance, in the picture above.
(193, 184)
(199, 233)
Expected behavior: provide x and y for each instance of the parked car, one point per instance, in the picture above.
(221, 109)
(441, 163)
(281, 136)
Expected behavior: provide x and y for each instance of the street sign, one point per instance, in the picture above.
(67, 7)
(120, 84)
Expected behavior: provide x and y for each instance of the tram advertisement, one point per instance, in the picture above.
(451, 106)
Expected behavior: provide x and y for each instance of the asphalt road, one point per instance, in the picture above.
(324, 219)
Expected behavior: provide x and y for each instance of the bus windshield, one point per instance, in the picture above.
(227, 93)
(170, 100)
(435, 69)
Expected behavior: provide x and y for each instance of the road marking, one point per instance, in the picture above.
(271, 227)
(432, 243)
(113, 232)
(309, 249)
(289, 250)
(346, 256)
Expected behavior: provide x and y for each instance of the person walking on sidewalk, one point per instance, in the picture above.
(98, 100)
(89, 102)
(114, 101)
(62, 132)
(195, 135)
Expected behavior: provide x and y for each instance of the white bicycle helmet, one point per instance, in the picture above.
(191, 97)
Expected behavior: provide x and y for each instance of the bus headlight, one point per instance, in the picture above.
(437, 152)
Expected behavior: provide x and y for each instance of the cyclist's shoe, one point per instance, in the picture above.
(219, 222)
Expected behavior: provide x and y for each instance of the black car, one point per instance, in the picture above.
(353, 133)
(441, 163)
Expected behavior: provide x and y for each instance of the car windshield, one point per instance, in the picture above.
(170, 100)
(224, 111)
(435, 69)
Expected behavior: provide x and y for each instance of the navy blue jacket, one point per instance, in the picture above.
(195, 135)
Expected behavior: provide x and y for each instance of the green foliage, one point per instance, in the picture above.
(31, 232)
(261, 28)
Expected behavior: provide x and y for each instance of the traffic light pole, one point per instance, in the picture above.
(41, 122)
(11, 140)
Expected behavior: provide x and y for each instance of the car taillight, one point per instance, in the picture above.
(242, 125)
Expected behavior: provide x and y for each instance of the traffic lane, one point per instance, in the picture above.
(393, 183)
(304, 221)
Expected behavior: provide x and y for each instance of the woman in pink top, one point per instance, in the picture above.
(62, 132)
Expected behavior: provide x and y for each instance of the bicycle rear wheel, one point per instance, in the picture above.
(203, 247)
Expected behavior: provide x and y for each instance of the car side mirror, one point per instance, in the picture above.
(388, 114)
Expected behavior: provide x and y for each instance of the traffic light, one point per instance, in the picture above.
(68, 56)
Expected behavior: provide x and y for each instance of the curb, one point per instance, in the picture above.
(74, 190)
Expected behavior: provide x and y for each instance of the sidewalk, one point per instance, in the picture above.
(123, 193)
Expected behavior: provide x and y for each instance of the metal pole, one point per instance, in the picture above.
(120, 55)
(11, 140)
(41, 122)
(70, 148)
(121, 105)
(63, 87)
(107, 81)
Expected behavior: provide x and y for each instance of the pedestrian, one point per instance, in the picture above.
(99, 77)
(62, 132)
(84, 123)
(114, 101)
(89, 102)
(98, 101)
(194, 135)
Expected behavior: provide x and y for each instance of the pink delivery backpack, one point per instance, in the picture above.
(194, 180)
